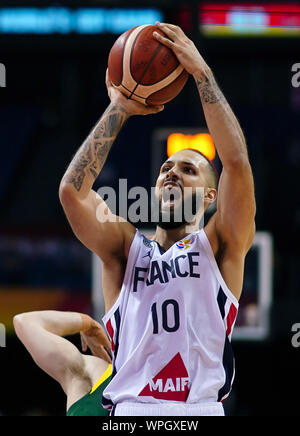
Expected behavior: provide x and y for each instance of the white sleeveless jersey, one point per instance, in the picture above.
(171, 326)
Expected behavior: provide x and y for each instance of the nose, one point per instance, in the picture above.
(171, 175)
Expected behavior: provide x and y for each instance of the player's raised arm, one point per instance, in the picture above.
(79, 201)
(234, 219)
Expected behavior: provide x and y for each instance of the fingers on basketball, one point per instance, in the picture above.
(166, 41)
(169, 29)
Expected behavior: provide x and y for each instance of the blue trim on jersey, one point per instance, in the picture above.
(118, 322)
(228, 360)
(221, 302)
(228, 363)
(114, 372)
(108, 404)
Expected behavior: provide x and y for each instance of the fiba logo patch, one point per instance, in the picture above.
(185, 243)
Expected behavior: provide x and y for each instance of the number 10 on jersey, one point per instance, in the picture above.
(166, 323)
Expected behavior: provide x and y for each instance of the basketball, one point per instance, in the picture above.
(143, 69)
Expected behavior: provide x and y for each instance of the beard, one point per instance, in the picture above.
(181, 214)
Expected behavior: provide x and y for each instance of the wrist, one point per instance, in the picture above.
(88, 324)
(203, 73)
(120, 105)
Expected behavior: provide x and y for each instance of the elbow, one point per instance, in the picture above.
(62, 191)
(19, 321)
(65, 193)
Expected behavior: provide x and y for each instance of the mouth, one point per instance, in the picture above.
(171, 192)
(172, 184)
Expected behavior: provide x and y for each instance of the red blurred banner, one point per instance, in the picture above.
(281, 19)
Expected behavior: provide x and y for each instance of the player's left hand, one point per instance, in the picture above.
(131, 107)
(184, 49)
(97, 341)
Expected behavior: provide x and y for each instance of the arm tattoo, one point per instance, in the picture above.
(92, 155)
(209, 90)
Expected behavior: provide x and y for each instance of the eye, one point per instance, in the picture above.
(188, 170)
(165, 169)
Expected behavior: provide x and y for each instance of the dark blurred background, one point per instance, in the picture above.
(54, 94)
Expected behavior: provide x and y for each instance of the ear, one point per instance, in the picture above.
(210, 195)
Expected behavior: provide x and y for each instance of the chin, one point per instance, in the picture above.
(171, 217)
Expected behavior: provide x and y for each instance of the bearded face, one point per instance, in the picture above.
(179, 190)
(177, 206)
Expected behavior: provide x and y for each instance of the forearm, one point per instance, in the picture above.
(91, 156)
(221, 121)
(56, 322)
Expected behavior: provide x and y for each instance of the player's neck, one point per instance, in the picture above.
(167, 237)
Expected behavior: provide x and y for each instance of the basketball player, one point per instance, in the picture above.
(82, 377)
(171, 300)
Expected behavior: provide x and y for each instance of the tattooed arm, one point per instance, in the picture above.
(91, 156)
(232, 227)
(81, 204)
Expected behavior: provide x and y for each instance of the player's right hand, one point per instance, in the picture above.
(130, 106)
(183, 48)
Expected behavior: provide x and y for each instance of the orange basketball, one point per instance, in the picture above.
(143, 69)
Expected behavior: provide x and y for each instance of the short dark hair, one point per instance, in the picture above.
(214, 175)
